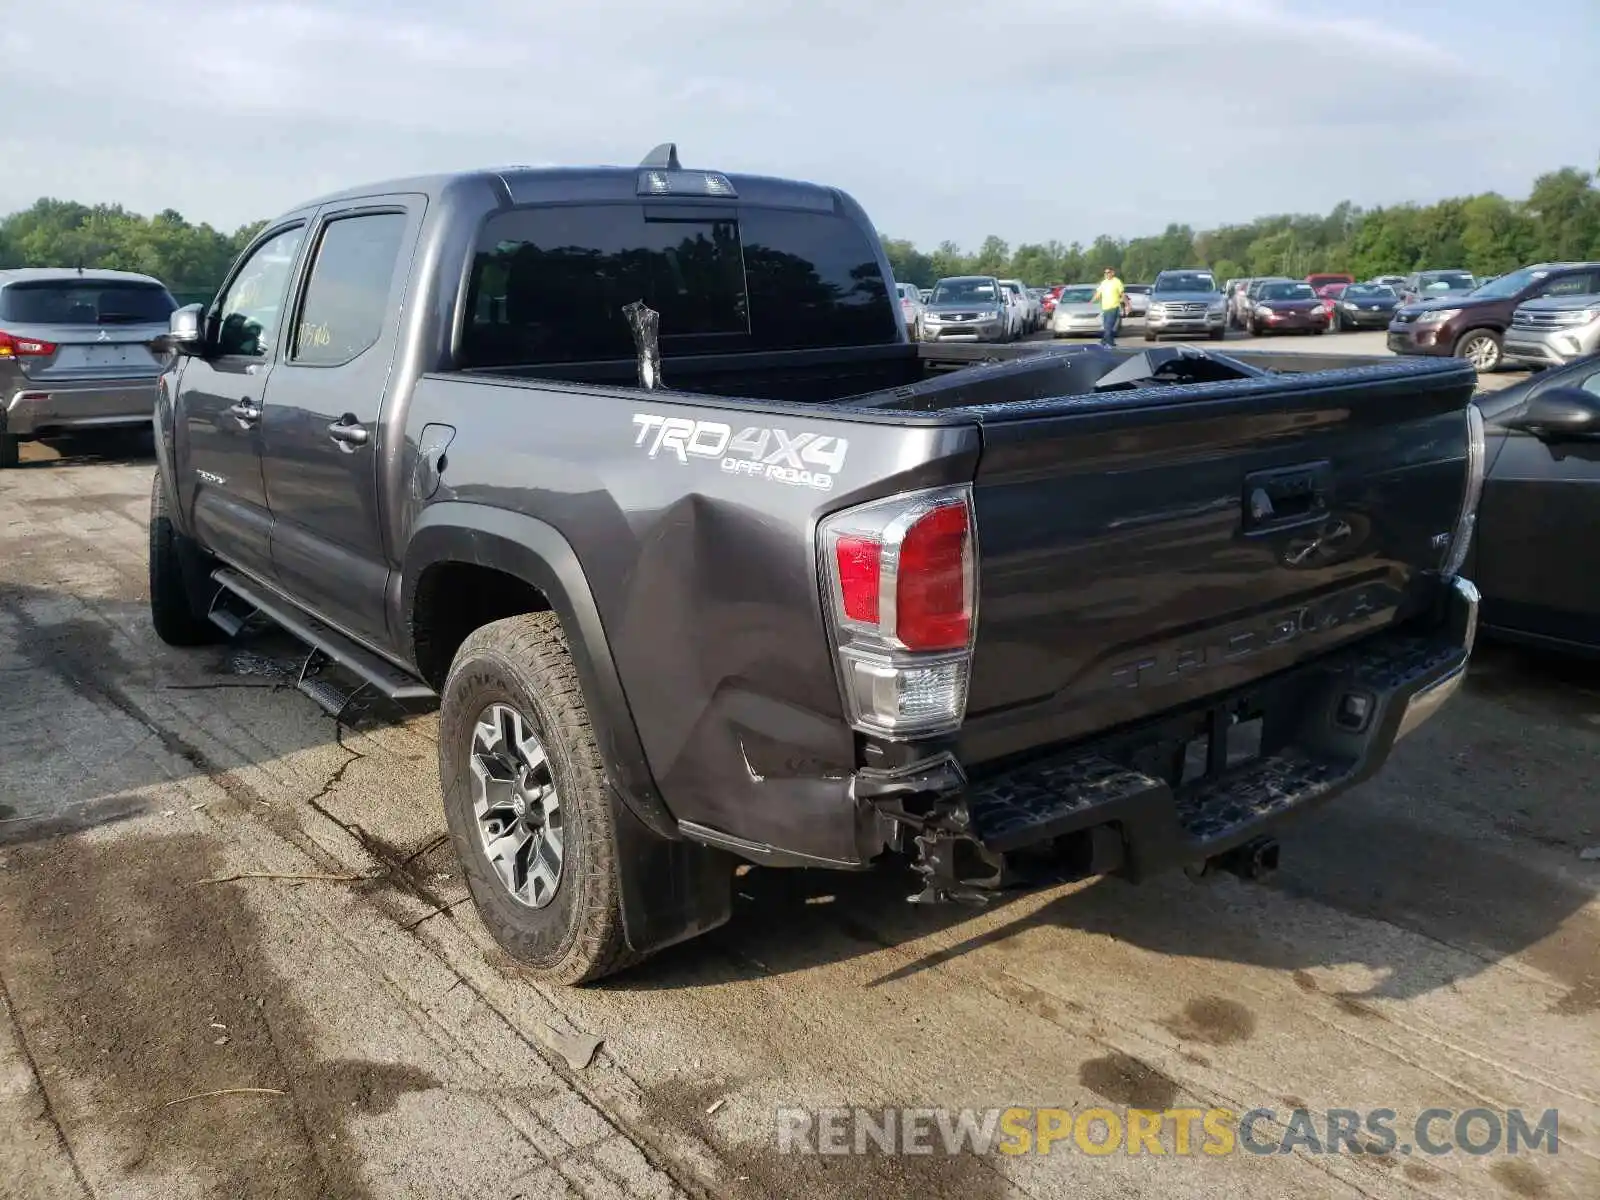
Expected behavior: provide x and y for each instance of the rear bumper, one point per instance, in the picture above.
(40, 408)
(1325, 726)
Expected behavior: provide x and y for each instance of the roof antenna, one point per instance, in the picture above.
(663, 158)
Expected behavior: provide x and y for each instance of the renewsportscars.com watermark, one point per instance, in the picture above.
(1175, 1132)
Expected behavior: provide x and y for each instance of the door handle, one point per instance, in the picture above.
(348, 433)
(246, 412)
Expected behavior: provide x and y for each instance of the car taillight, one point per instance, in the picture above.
(12, 346)
(901, 583)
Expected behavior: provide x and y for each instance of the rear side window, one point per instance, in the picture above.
(85, 302)
(348, 295)
(549, 284)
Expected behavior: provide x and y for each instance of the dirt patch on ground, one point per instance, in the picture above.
(144, 990)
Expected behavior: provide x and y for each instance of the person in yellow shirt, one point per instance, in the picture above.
(1113, 299)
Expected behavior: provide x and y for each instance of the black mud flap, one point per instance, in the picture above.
(672, 890)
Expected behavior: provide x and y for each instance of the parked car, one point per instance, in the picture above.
(1389, 281)
(1186, 302)
(1077, 312)
(1553, 330)
(1471, 325)
(1435, 285)
(1365, 306)
(1288, 307)
(1047, 302)
(967, 308)
(925, 294)
(1237, 294)
(76, 352)
(1029, 317)
(701, 568)
(1138, 295)
(1534, 554)
(911, 309)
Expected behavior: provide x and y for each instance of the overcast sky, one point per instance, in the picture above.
(1032, 119)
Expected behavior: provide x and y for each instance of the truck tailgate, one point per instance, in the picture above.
(1143, 550)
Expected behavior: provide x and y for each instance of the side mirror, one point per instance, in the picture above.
(186, 330)
(1560, 414)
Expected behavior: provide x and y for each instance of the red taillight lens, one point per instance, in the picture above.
(858, 559)
(932, 600)
(12, 346)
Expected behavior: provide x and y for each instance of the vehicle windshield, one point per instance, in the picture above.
(1185, 281)
(86, 302)
(1077, 295)
(1507, 285)
(1142, 288)
(963, 291)
(1369, 291)
(1288, 291)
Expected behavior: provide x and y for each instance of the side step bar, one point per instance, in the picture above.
(377, 673)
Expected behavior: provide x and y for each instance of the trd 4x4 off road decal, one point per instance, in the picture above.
(802, 459)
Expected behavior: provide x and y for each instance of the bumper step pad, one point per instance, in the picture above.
(1035, 802)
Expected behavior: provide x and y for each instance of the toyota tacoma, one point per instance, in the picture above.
(635, 473)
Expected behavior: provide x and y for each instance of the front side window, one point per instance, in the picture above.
(1577, 284)
(251, 310)
(347, 297)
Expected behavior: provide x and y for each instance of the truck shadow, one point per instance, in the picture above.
(1450, 861)
(88, 449)
(95, 712)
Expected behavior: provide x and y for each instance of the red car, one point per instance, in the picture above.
(1288, 307)
(1048, 301)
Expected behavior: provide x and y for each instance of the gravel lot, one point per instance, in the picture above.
(1433, 940)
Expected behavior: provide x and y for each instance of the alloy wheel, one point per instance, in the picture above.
(516, 806)
(1482, 351)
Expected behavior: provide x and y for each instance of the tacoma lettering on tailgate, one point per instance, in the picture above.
(1231, 643)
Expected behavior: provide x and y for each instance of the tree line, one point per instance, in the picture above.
(190, 259)
(1485, 234)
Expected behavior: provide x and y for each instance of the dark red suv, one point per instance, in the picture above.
(1470, 325)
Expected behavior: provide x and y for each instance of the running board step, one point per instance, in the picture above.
(379, 674)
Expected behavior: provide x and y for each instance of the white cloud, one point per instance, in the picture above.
(1033, 119)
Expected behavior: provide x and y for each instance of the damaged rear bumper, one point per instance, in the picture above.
(1186, 787)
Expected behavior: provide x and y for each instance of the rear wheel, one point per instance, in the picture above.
(1480, 347)
(179, 571)
(10, 451)
(526, 801)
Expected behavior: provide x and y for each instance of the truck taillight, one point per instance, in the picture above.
(12, 346)
(1467, 518)
(901, 583)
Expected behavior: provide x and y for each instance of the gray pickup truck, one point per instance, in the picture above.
(635, 473)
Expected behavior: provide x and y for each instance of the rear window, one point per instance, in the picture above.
(73, 302)
(549, 284)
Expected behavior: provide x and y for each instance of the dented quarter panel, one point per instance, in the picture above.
(704, 575)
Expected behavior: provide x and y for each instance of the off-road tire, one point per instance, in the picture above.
(524, 662)
(10, 452)
(179, 570)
